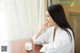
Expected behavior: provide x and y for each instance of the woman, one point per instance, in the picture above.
(59, 37)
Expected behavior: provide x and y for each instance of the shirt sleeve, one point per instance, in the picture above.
(42, 39)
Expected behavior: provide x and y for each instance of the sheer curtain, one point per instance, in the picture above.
(21, 18)
(18, 21)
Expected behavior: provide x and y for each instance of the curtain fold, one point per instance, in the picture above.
(20, 19)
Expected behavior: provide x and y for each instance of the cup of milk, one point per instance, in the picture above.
(28, 45)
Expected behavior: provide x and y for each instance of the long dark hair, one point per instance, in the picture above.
(57, 14)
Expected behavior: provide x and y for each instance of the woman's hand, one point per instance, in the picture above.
(44, 27)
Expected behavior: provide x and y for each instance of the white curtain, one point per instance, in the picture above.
(20, 18)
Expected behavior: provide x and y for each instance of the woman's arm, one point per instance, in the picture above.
(44, 27)
(41, 37)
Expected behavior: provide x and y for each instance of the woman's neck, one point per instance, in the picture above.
(56, 27)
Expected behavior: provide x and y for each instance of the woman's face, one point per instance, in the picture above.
(49, 19)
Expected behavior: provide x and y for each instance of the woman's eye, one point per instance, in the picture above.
(47, 15)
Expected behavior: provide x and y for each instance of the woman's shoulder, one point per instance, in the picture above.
(64, 31)
(66, 34)
(69, 30)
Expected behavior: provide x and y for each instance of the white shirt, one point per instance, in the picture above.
(61, 44)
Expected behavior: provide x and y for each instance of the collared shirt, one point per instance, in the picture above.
(61, 43)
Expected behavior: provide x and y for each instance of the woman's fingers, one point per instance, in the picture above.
(46, 23)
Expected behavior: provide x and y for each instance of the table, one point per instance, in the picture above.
(35, 49)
